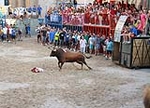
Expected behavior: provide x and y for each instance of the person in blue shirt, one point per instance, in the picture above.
(67, 40)
(52, 35)
(13, 34)
(29, 9)
(29, 30)
(39, 10)
(134, 30)
(34, 8)
(109, 48)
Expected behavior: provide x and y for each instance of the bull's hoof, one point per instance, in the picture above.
(90, 68)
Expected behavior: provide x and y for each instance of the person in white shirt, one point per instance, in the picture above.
(5, 32)
(82, 45)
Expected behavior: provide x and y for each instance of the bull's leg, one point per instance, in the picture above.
(80, 62)
(61, 65)
(87, 65)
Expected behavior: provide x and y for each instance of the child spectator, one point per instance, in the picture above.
(13, 35)
(109, 48)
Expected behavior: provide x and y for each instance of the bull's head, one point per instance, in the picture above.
(53, 53)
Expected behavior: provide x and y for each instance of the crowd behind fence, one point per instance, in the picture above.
(80, 22)
(78, 19)
(102, 18)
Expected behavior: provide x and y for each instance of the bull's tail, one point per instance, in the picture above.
(88, 57)
(147, 97)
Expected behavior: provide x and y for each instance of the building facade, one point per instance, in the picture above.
(23, 3)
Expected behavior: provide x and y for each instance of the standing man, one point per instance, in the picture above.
(82, 44)
(61, 38)
(109, 49)
(29, 30)
(44, 35)
(19, 34)
(4, 34)
(39, 10)
(34, 12)
(75, 4)
(13, 34)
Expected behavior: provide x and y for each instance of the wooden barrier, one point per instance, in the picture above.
(133, 55)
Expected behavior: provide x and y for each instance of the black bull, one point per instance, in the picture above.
(69, 56)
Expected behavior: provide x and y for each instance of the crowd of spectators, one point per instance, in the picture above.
(21, 12)
(138, 22)
(98, 13)
(9, 33)
(82, 41)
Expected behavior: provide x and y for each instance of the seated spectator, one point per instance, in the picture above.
(133, 30)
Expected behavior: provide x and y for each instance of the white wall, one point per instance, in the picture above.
(1, 2)
(45, 4)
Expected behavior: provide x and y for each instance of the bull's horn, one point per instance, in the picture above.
(52, 48)
(49, 47)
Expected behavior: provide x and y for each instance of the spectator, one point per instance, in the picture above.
(97, 45)
(39, 37)
(61, 38)
(1, 34)
(9, 32)
(109, 49)
(39, 10)
(57, 38)
(34, 8)
(148, 23)
(44, 34)
(26, 30)
(29, 30)
(75, 4)
(19, 34)
(91, 44)
(82, 44)
(13, 34)
(4, 34)
(30, 10)
(52, 35)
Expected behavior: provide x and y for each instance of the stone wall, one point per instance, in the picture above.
(33, 24)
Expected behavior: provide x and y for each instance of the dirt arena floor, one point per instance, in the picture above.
(106, 86)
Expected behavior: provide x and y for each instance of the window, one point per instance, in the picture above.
(6, 2)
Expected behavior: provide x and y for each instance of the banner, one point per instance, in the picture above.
(54, 18)
(119, 27)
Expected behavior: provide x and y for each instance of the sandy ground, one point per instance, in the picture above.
(106, 86)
